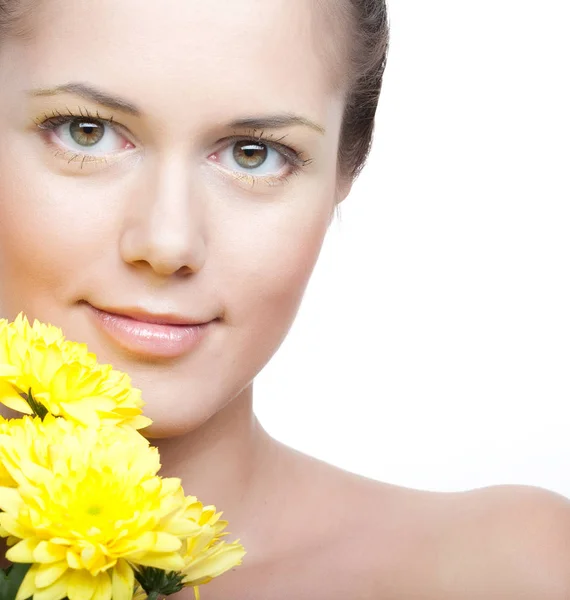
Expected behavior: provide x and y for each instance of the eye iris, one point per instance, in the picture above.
(86, 133)
(250, 155)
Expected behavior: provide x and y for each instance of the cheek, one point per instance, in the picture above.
(265, 271)
(46, 243)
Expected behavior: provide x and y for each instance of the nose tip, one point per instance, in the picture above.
(162, 253)
(165, 226)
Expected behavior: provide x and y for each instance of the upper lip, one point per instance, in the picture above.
(153, 318)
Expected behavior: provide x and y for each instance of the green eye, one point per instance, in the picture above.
(86, 133)
(250, 155)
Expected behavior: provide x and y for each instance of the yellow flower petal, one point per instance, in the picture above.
(168, 562)
(12, 399)
(8, 371)
(104, 588)
(227, 557)
(73, 560)
(123, 581)
(81, 586)
(11, 525)
(56, 591)
(23, 552)
(139, 422)
(28, 586)
(165, 542)
(86, 415)
(49, 574)
(184, 528)
(10, 500)
(47, 552)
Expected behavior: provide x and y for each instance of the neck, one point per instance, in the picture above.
(224, 462)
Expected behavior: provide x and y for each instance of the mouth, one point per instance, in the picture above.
(151, 335)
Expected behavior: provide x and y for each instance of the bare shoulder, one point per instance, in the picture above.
(506, 541)
(501, 542)
(376, 541)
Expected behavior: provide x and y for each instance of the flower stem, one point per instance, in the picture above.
(154, 596)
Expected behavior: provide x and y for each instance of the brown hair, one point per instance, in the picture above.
(367, 47)
(13, 17)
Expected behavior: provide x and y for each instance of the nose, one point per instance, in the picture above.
(164, 225)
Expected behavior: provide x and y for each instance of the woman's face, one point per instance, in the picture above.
(164, 165)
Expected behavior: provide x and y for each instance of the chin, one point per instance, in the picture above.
(172, 424)
(173, 419)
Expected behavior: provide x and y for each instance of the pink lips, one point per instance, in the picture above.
(150, 335)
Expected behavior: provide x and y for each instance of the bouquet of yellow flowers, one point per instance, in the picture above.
(85, 514)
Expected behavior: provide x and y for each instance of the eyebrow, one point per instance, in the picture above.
(89, 93)
(98, 96)
(276, 122)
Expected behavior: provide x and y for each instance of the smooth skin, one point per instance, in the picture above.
(160, 216)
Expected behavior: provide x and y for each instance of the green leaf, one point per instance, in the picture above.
(37, 407)
(11, 579)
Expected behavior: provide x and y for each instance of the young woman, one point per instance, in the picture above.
(167, 174)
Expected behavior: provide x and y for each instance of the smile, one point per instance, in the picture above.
(150, 335)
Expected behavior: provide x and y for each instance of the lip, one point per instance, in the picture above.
(150, 335)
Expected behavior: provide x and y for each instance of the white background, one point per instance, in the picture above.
(433, 346)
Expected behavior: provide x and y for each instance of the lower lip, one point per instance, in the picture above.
(150, 339)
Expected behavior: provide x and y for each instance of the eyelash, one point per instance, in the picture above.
(52, 121)
(294, 158)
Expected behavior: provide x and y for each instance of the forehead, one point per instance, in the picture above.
(185, 54)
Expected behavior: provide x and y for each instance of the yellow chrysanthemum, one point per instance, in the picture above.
(64, 377)
(88, 507)
(205, 555)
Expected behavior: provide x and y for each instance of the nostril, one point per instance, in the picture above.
(184, 271)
